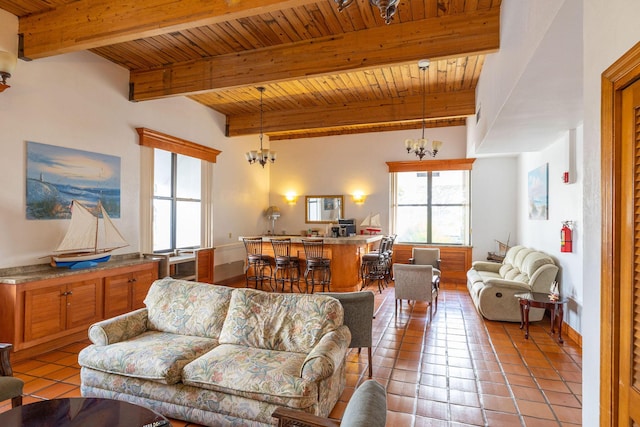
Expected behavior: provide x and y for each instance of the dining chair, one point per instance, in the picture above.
(414, 283)
(428, 256)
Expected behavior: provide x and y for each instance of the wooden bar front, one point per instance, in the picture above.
(344, 252)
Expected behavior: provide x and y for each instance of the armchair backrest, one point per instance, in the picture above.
(358, 315)
(426, 256)
(413, 282)
(367, 407)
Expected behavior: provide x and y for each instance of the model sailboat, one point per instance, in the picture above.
(89, 239)
(372, 224)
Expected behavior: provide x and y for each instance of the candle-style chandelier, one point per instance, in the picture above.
(387, 7)
(263, 155)
(421, 147)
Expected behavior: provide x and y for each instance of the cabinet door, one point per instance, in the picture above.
(142, 281)
(117, 294)
(204, 265)
(84, 303)
(45, 312)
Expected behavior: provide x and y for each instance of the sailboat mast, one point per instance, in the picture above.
(95, 245)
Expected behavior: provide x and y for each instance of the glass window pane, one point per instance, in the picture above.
(412, 188)
(411, 224)
(161, 225)
(188, 177)
(450, 187)
(449, 224)
(161, 173)
(187, 224)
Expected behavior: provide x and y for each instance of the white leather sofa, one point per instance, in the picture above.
(493, 285)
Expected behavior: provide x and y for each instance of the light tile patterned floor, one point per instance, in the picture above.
(455, 370)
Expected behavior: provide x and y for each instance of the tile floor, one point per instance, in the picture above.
(456, 370)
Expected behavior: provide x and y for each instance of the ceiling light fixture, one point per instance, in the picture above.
(261, 156)
(7, 64)
(387, 7)
(419, 146)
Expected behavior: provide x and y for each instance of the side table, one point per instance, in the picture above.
(541, 300)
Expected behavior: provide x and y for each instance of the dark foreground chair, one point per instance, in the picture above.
(358, 317)
(10, 386)
(366, 408)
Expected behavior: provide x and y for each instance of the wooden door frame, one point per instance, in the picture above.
(615, 79)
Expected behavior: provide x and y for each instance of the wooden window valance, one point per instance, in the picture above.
(155, 139)
(430, 165)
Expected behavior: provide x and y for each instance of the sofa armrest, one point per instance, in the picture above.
(119, 328)
(493, 267)
(293, 417)
(327, 355)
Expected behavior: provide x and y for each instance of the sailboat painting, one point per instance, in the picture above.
(372, 224)
(89, 239)
(58, 175)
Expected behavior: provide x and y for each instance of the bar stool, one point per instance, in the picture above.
(317, 264)
(257, 262)
(287, 266)
(375, 266)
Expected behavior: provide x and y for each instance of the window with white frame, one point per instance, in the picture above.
(176, 183)
(431, 206)
(176, 201)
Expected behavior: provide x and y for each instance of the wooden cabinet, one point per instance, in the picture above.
(126, 291)
(55, 309)
(47, 309)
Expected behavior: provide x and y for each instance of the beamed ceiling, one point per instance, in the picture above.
(325, 72)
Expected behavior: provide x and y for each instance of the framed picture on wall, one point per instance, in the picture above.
(538, 191)
(58, 175)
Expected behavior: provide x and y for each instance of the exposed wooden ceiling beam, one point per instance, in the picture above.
(441, 105)
(87, 24)
(434, 38)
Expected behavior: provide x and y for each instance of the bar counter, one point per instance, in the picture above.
(344, 252)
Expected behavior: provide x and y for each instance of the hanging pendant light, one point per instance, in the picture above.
(387, 7)
(261, 156)
(421, 147)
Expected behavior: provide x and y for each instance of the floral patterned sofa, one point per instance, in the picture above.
(220, 356)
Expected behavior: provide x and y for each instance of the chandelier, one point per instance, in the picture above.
(387, 7)
(263, 155)
(421, 147)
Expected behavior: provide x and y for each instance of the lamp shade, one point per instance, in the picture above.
(7, 62)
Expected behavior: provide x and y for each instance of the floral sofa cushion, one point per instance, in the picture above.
(282, 322)
(261, 374)
(187, 308)
(157, 356)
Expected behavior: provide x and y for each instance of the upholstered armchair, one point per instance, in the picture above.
(427, 256)
(415, 282)
(10, 386)
(366, 408)
(358, 317)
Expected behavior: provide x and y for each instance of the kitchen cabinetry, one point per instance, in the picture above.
(46, 308)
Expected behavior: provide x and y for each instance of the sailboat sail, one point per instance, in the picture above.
(88, 239)
(372, 223)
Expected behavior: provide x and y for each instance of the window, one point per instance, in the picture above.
(176, 201)
(175, 192)
(431, 202)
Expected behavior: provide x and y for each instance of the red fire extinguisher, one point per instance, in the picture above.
(566, 238)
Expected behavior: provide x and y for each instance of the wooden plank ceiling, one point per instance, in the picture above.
(325, 72)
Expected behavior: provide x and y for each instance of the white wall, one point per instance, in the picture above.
(565, 203)
(80, 101)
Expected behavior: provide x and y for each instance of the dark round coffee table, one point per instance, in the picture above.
(82, 411)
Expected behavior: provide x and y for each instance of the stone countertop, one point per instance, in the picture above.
(352, 240)
(32, 273)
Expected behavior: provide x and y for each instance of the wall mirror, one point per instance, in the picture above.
(323, 209)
